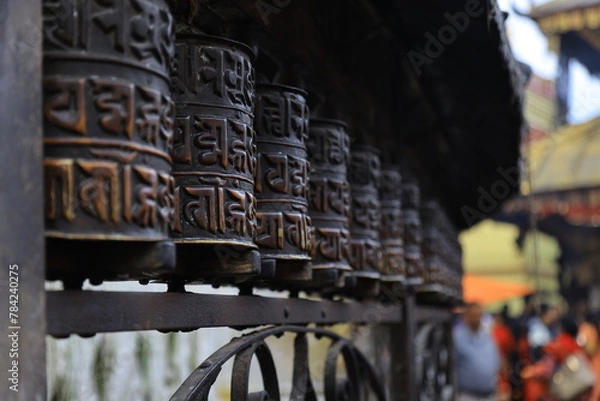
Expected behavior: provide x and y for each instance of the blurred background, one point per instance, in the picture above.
(547, 240)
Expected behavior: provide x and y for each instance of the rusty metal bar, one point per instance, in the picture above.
(90, 312)
(22, 342)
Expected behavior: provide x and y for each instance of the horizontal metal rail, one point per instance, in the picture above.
(89, 312)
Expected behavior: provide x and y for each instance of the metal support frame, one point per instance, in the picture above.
(90, 312)
(21, 208)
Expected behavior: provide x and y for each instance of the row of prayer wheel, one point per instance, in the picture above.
(165, 159)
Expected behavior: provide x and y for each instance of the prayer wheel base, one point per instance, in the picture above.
(280, 275)
(327, 281)
(392, 288)
(433, 294)
(367, 287)
(73, 261)
(292, 271)
(220, 264)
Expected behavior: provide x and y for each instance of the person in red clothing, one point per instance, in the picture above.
(505, 340)
(589, 338)
(554, 354)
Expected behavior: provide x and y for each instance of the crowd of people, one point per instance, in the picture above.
(506, 358)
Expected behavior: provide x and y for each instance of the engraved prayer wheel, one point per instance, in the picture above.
(365, 251)
(392, 225)
(108, 128)
(329, 200)
(433, 239)
(413, 236)
(433, 250)
(456, 270)
(284, 229)
(214, 160)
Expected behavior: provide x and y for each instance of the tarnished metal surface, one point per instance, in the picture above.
(365, 249)
(392, 225)
(214, 154)
(329, 196)
(108, 122)
(88, 312)
(441, 255)
(357, 382)
(284, 229)
(23, 361)
(413, 236)
(432, 247)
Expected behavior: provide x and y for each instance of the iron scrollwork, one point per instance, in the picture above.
(433, 363)
(360, 381)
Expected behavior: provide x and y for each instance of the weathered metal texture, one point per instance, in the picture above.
(108, 128)
(90, 312)
(441, 255)
(23, 300)
(365, 251)
(413, 237)
(284, 229)
(356, 381)
(433, 243)
(329, 196)
(433, 365)
(456, 269)
(392, 225)
(214, 158)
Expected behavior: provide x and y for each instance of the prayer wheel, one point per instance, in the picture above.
(108, 127)
(433, 248)
(413, 236)
(284, 229)
(365, 251)
(214, 159)
(392, 226)
(329, 200)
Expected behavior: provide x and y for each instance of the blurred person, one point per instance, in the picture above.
(539, 334)
(477, 358)
(505, 341)
(554, 354)
(529, 313)
(541, 329)
(521, 359)
(588, 337)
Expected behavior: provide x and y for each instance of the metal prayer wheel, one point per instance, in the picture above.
(433, 241)
(329, 200)
(365, 251)
(413, 237)
(284, 229)
(434, 249)
(392, 225)
(214, 160)
(108, 128)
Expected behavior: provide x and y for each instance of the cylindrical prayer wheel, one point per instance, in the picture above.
(433, 239)
(432, 248)
(109, 193)
(392, 225)
(214, 159)
(284, 229)
(329, 200)
(365, 252)
(413, 236)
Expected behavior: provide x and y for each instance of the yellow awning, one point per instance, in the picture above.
(490, 250)
(567, 159)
